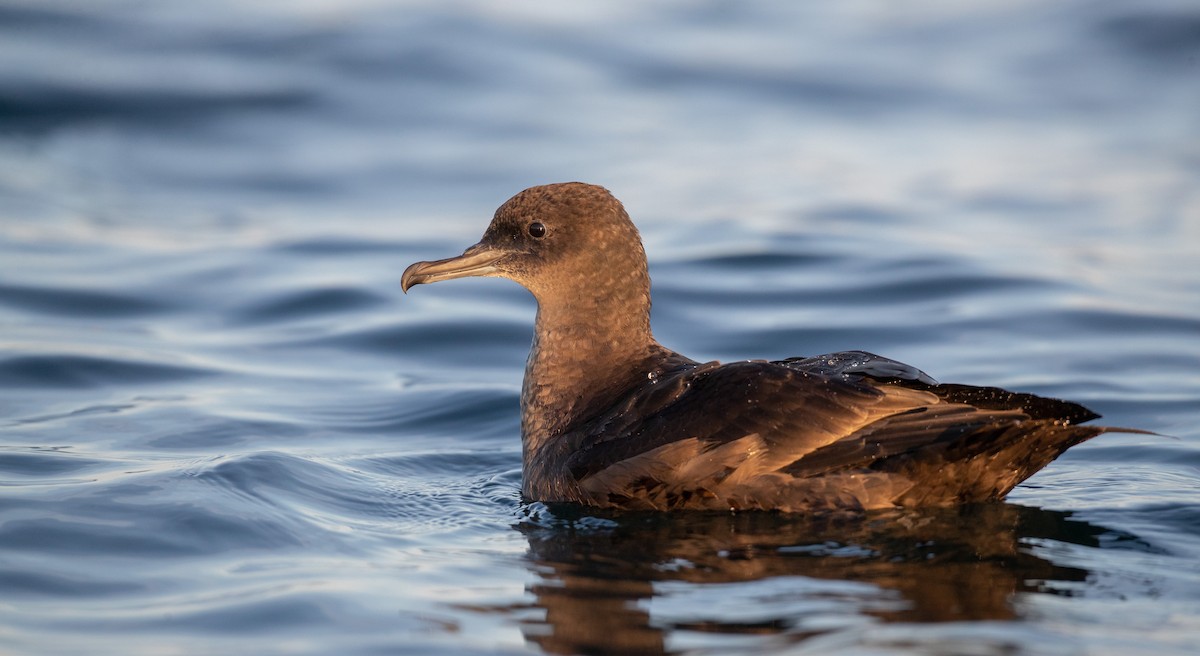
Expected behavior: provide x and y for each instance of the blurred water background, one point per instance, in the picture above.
(224, 430)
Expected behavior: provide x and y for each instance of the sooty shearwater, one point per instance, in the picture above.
(610, 418)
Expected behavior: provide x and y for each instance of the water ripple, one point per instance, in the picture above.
(307, 303)
(83, 371)
(41, 463)
(67, 302)
(421, 411)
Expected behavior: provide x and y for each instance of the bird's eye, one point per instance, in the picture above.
(537, 230)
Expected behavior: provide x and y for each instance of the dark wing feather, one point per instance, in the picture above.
(862, 363)
(849, 428)
(994, 398)
(858, 363)
(716, 404)
(912, 432)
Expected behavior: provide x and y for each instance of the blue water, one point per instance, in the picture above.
(223, 429)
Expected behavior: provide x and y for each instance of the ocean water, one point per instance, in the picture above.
(223, 429)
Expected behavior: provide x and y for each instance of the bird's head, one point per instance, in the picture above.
(557, 240)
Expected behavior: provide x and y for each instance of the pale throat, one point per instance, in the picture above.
(579, 340)
(601, 326)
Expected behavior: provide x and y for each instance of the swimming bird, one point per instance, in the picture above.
(612, 419)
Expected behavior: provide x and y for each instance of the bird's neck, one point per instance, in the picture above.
(586, 351)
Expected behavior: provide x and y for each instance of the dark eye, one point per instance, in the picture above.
(537, 230)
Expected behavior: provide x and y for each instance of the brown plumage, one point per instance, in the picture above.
(610, 418)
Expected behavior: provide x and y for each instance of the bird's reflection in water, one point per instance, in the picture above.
(642, 583)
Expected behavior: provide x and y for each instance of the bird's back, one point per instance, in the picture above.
(840, 431)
